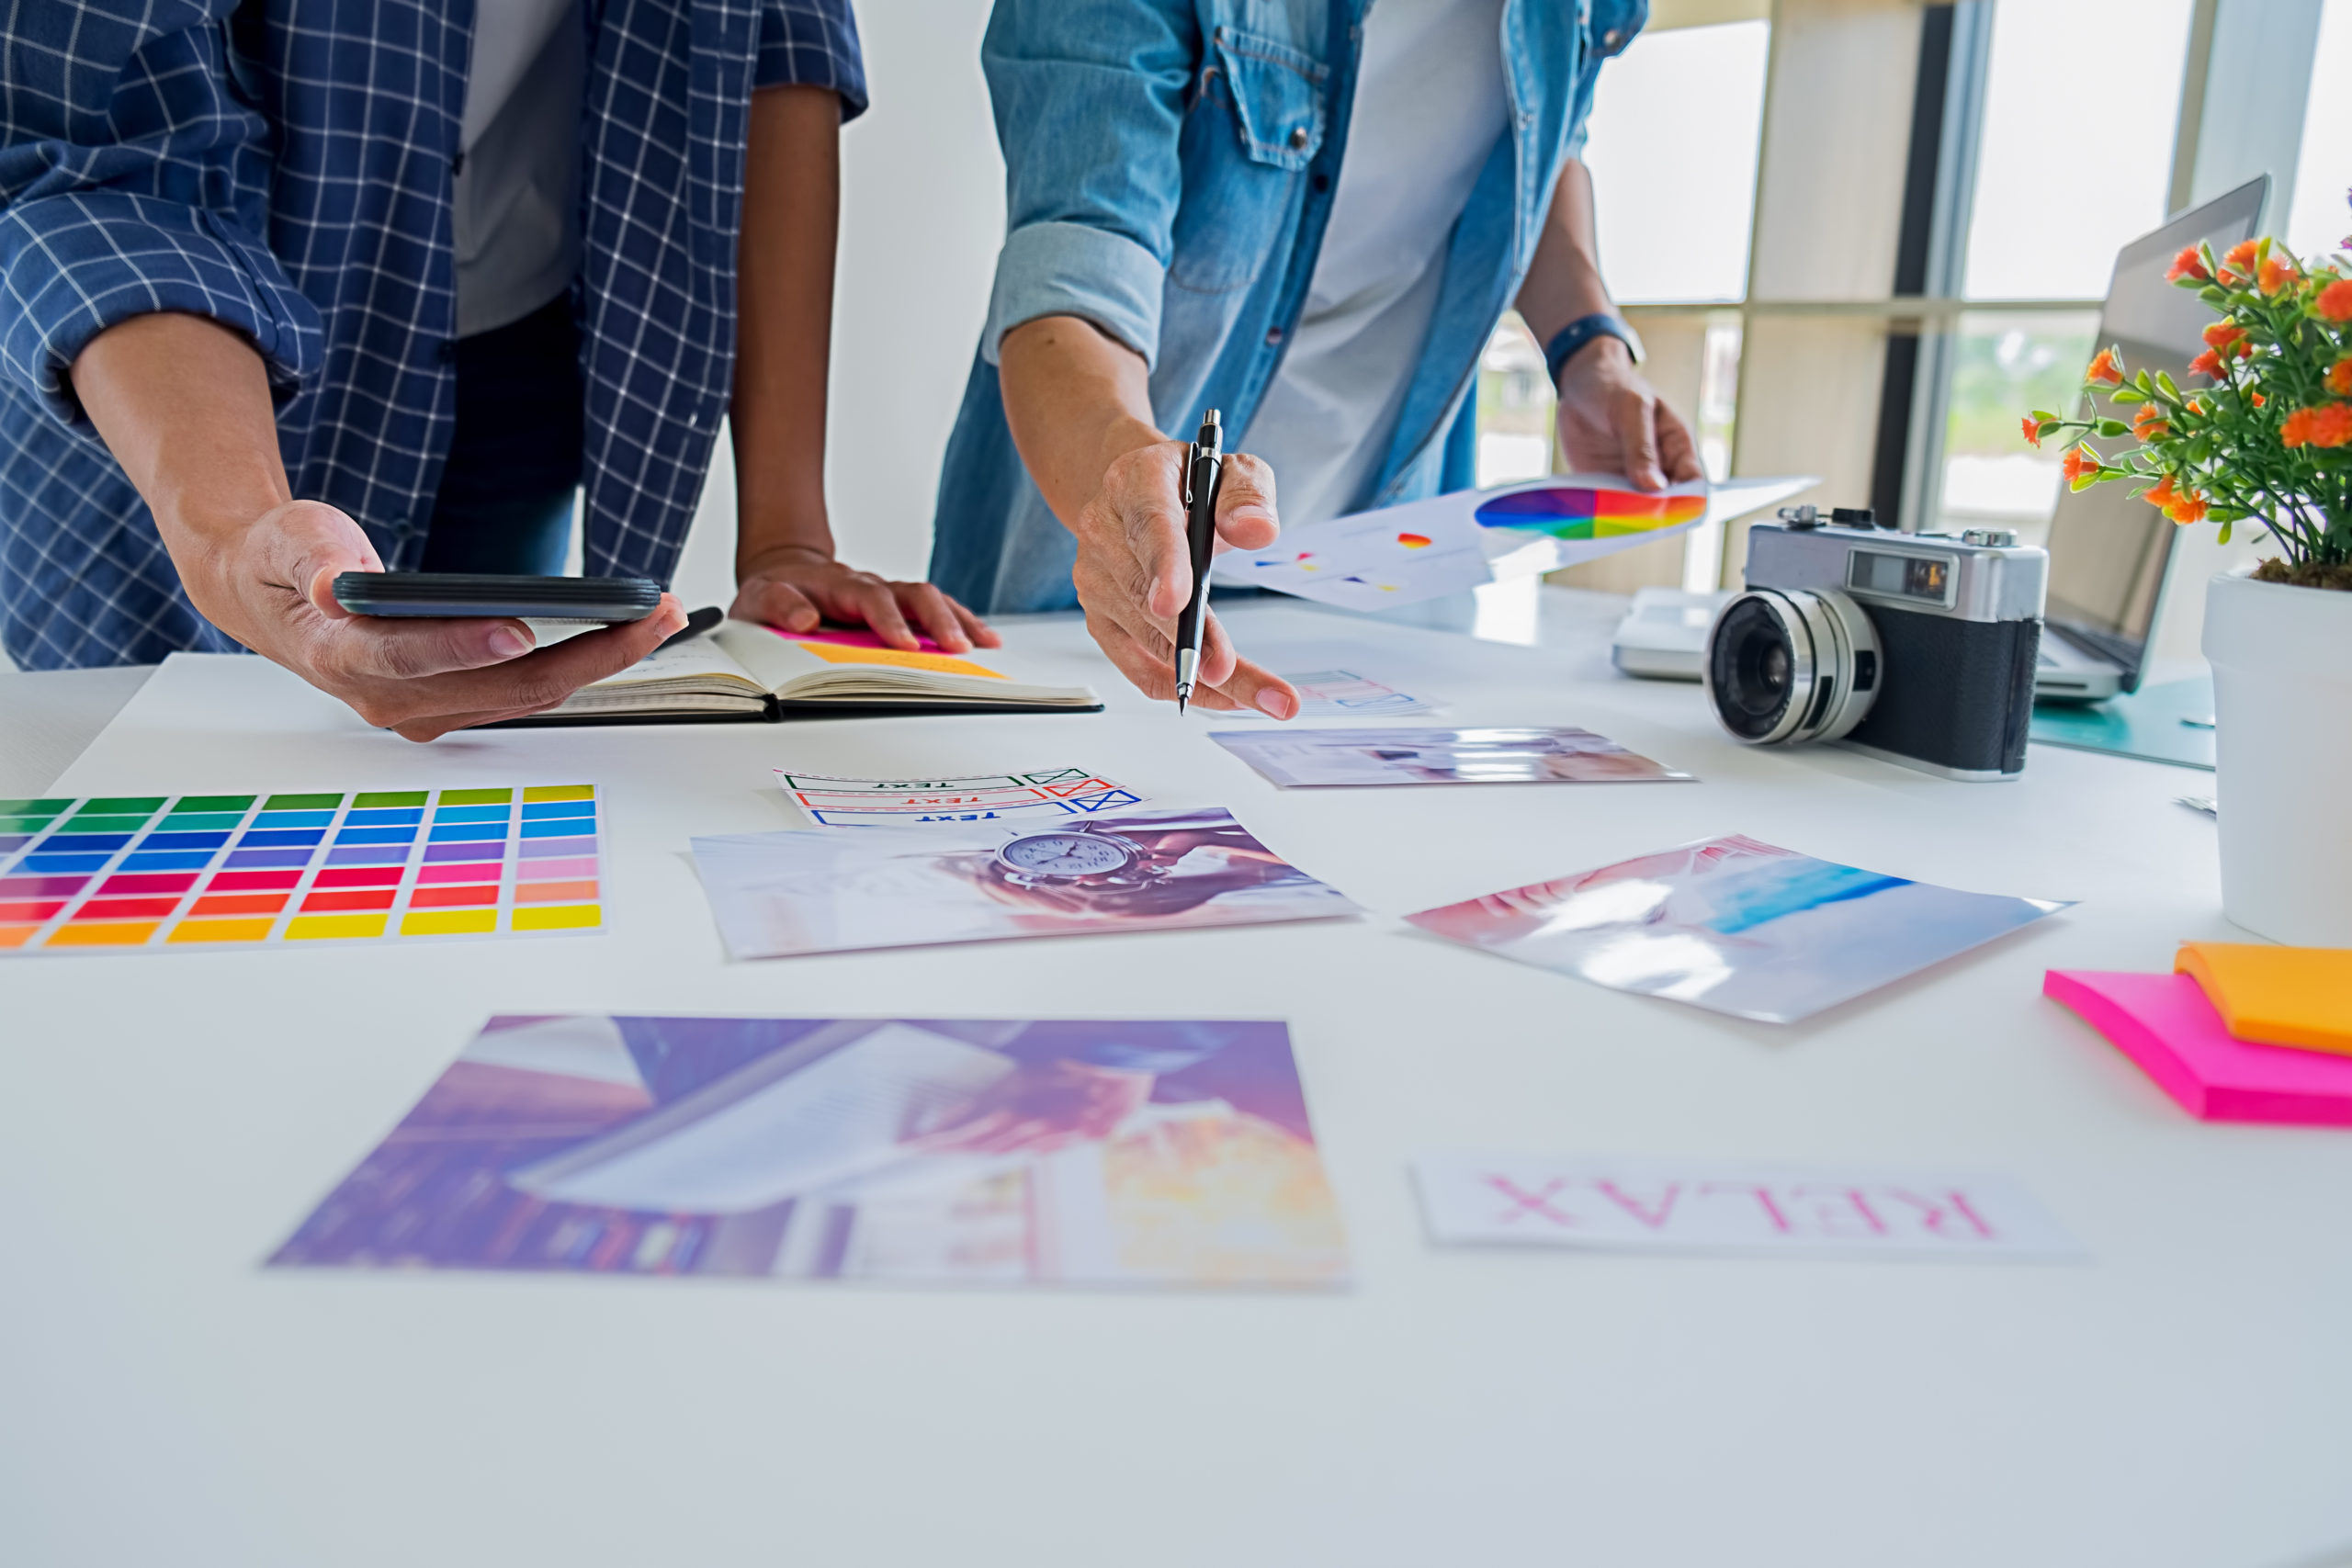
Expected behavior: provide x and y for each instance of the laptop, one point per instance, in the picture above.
(2108, 551)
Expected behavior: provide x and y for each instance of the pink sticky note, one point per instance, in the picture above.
(853, 637)
(2172, 1034)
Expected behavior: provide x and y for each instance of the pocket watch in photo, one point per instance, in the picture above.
(1064, 855)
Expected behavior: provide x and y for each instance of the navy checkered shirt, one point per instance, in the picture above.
(284, 167)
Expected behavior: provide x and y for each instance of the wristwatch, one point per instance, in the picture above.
(1582, 331)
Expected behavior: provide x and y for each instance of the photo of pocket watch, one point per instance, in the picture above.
(1061, 856)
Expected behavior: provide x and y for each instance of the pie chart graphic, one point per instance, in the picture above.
(1584, 512)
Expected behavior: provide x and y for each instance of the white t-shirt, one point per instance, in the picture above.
(515, 217)
(1429, 105)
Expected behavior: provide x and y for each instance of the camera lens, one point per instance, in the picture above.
(1785, 667)
(1750, 661)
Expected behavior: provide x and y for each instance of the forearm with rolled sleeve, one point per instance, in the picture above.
(132, 180)
(1090, 98)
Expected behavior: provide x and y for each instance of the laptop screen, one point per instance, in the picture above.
(2107, 550)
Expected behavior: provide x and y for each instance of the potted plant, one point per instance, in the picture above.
(2261, 436)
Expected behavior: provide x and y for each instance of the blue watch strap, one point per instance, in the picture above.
(1582, 331)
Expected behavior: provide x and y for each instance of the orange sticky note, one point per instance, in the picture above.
(2276, 995)
(945, 664)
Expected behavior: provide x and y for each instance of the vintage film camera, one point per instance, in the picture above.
(1916, 648)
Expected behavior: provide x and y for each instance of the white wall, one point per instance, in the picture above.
(922, 214)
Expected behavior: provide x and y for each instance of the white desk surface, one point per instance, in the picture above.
(2180, 1399)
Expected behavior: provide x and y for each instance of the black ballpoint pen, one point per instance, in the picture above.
(1203, 475)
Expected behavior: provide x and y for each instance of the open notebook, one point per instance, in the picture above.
(743, 671)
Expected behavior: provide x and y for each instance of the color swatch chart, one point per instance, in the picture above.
(121, 872)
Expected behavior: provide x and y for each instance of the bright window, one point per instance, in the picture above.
(1515, 407)
(2319, 219)
(1676, 124)
(2080, 101)
(2003, 364)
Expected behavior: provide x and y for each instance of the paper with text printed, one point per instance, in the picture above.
(1757, 1211)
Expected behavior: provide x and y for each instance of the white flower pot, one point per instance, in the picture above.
(2282, 712)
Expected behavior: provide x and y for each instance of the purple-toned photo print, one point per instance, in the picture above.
(967, 1150)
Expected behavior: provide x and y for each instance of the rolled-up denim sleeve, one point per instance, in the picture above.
(132, 181)
(1089, 96)
(813, 44)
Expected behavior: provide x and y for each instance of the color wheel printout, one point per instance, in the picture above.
(123, 874)
(972, 1152)
(777, 895)
(1734, 926)
(1449, 544)
(1315, 758)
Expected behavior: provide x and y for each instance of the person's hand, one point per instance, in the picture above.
(272, 590)
(1134, 575)
(1611, 423)
(1042, 1107)
(795, 587)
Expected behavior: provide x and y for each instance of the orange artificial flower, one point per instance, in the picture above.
(2106, 367)
(2276, 274)
(2188, 264)
(2339, 377)
(2238, 266)
(2161, 494)
(2186, 507)
(2079, 461)
(2327, 425)
(2148, 422)
(2033, 431)
(2334, 302)
(2206, 364)
(2332, 425)
(2220, 334)
(2258, 399)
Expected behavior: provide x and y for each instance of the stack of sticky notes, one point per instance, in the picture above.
(2237, 1032)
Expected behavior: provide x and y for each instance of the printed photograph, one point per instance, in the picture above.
(777, 895)
(924, 1151)
(1309, 758)
(1735, 926)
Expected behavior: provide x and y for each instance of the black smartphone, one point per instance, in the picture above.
(421, 594)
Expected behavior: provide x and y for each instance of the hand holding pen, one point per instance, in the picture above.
(1204, 478)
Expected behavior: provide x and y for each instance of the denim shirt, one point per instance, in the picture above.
(1170, 166)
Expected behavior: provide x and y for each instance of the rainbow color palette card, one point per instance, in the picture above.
(118, 874)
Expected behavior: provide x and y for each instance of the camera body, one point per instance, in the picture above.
(1916, 648)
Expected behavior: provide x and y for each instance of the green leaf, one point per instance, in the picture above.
(2125, 397)
(2083, 481)
(2214, 295)
(2165, 381)
(2112, 428)
(2224, 535)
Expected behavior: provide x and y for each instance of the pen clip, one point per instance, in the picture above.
(1191, 457)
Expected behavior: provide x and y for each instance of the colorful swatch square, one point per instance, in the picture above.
(116, 873)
